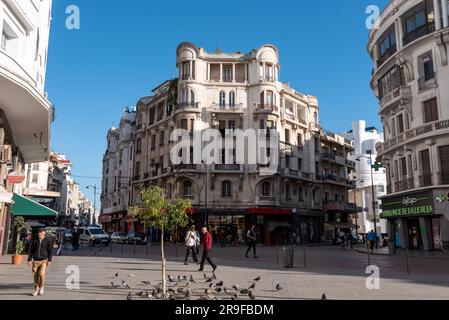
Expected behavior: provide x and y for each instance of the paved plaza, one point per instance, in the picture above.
(338, 274)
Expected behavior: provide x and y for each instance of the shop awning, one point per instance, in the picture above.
(5, 196)
(24, 207)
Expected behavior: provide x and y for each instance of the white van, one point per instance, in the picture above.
(94, 236)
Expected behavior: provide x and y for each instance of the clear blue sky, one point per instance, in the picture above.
(126, 48)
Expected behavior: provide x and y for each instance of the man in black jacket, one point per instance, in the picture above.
(39, 259)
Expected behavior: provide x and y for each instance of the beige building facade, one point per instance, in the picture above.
(411, 80)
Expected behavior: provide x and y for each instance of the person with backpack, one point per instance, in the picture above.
(251, 237)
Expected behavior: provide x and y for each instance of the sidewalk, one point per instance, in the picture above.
(403, 252)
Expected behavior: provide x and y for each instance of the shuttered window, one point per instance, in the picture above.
(431, 110)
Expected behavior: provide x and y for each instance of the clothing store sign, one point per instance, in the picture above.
(418, 204)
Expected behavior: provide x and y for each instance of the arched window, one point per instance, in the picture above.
(187, 188)
(222, 99)
(226, 189)
(266, 189)
(192, 97)
(262, 98)
(232, 99)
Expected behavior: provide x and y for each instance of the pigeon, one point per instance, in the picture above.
(209, 280)
(211, 285)
(252, 296)
(257, 279)
(188, 294)
(130, 297)
(236, 287)
(214, 276)
(148, 283)
(244, 292)
(218, 290)
(184, 278)
(192, 280)
(150, 295)
(131, 276)
(220, 284)
(179, 278)
(113, 285)
(208, 291)
(180, 290)
(225, 291)
(279, 288)
(125, 285)
(323, 297)
(171, 290)
(235, 297)
(140, 294)
(116, 275)
(253, 286)
(205, 276)
(171, 279)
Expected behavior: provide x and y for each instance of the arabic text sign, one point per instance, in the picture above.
(408, 206)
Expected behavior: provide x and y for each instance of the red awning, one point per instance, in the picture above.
(269, 211)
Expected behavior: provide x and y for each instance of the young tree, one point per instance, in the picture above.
(20, 227)
(164, 215)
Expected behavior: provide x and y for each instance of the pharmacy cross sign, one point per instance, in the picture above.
(377, 166)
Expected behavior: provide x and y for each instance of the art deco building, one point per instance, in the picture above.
(25, 112)
(230, 91)
(411, 80)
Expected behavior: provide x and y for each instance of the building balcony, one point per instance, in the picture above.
(266, 108)
(334, 158)
(404, 185)
(228, 167)
(26, 108)
(401, 95)
(291, 173)
(426, 84)
(266, 200)
(227, 108)
(187, 107)
(185, 167)
(443, 178)
(429, 129)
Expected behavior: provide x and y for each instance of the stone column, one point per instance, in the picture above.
(436, 8)
(445, 14)
(233, 72)
(221, 72)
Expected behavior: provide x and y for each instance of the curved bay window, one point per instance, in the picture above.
(419, 21)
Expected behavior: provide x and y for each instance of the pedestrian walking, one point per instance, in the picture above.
(39, 260)
(191, 244)
(342, 237)
(61, 240)
(350, 240)
(252, 241)
(75, 239)
(207, 248)
(372, 239)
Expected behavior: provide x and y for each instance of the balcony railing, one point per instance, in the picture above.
(443, 178)
(401, 92)
(425, 181)
(266, 107)
(227, 167)
(425, 84)
(432, 127)
(419, 32)
(227, 107)
(185, 167)
(187, 105)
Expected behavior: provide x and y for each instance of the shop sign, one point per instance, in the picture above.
(419, 204)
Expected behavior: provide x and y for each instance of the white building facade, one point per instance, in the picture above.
(411, 80)
(365, 141)
(25, 112)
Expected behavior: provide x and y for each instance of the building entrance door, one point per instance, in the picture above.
(414, 235)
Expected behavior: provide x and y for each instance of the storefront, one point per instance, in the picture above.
(413, 221)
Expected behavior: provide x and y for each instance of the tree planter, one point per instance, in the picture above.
(16, 260)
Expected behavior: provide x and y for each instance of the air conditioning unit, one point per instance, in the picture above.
(6, 154)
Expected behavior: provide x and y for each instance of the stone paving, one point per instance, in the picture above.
(337, 273)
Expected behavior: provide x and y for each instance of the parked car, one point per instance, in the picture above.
(136, 238)
(68, 235)
(53, 232)
(94, 236)
(119, 237)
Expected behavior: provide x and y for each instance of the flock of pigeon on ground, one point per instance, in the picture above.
(186, 288)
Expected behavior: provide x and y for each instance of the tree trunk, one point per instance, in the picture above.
(164, 276)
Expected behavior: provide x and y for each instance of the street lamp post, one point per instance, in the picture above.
(94, 187)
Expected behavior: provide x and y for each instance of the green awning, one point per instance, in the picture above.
(25, 207)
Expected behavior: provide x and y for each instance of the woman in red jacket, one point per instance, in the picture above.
(207, 248)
